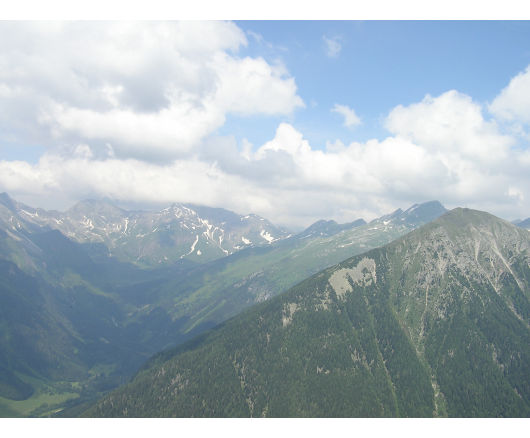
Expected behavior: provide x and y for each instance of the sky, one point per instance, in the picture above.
(293, 120)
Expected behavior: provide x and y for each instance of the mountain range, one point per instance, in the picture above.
(146, 238)
(79, 317)
(218, 290)
(436, 323)
(88, 295)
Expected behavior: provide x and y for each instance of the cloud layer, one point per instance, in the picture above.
(130, 112)
(513, 103)
(150, 90)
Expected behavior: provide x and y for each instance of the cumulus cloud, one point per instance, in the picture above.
(148, 89)
(333, 46)
(513, 102)
(350, 118)
(440, 148)
(453, 124)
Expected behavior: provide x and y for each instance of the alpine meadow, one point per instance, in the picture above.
(265, 219)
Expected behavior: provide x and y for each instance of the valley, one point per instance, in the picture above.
(87, 319)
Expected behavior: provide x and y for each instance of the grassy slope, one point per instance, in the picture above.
(222, 289)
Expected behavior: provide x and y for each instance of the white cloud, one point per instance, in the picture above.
(441, 148)
(350, 118)
(149, 89)
(450, 124)
(333, 46)
(513, 102)
(69, 178)
(516, 193)
(373, 169)
(250, 86)
(290, 182)
(287, 139)
(139, 106)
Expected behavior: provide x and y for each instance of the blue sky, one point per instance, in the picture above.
(381, 64)
(293, 120)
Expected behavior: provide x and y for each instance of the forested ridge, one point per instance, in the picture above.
(433, 324)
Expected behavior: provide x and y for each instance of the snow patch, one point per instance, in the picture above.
(266, 235)
(194, 243)
(192, 247)
(88, 223)
(12, 235)
(29, 214)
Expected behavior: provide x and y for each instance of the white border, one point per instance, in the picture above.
(266, 428)
(265, 10)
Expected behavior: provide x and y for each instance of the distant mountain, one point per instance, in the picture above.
(436, 323)
(323, 228)
(414, 216)
(523, 223)
(213, 292)
(195, 233)
(417, 214)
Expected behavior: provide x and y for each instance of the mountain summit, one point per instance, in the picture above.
(152, 238)
(436, 323)
(417, 214)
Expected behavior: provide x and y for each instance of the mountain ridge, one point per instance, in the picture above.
(152, 238)
(152, 309)
(228, 285)
(525, 223)
(435, 323)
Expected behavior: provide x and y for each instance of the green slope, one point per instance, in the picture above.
(75, 322)
(64, 324)
(436, 323)
(216, 291)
